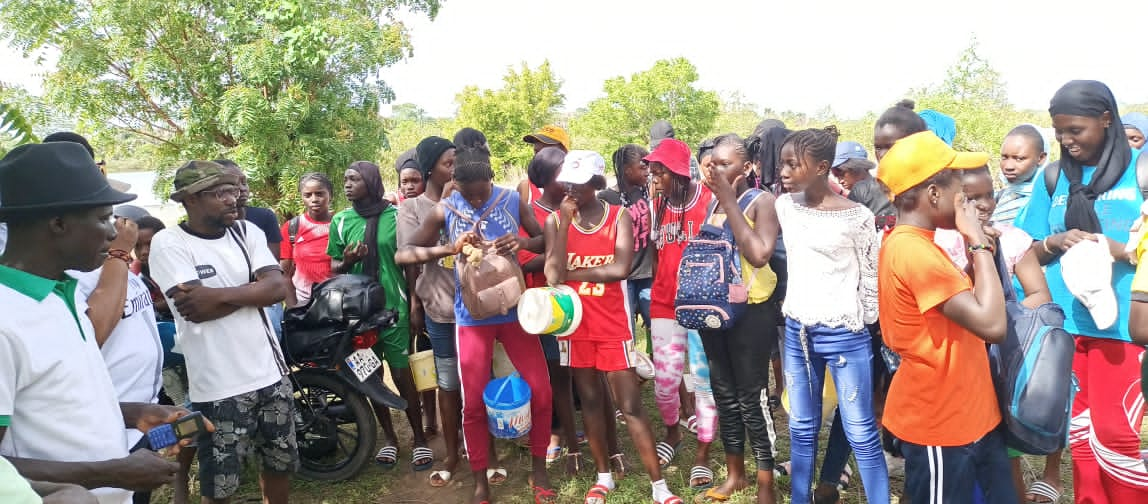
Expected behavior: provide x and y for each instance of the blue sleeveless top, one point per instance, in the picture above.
(501, 221)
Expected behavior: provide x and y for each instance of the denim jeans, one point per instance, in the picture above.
(806, 353)
(638, 296)
(441, 336)
(275, 316)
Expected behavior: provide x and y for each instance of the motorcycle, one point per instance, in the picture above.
(334, 372)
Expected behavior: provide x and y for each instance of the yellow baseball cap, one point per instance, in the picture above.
(550, 135)
(917, 157)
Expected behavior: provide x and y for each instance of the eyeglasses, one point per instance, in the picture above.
(222, 192)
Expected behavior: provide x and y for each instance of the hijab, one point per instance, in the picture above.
(406, 160)
(370, 208)
(767, 154)
(1090, 99)
(1136, 120)
(940, 124)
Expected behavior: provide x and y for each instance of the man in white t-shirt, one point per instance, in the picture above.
(217, 273)
(60, 420)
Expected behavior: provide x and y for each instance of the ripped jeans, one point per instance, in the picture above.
(806, 353)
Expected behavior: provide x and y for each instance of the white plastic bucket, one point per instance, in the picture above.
(550, 310)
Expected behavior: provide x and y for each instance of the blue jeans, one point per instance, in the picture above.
(806, 353)
(638, 295)
(957, 473)
(445, 351)
(275, 314)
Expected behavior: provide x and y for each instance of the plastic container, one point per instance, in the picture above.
(507, 407)
(423, 370)
(550, 310)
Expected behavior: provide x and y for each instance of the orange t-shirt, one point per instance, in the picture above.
(942, 395)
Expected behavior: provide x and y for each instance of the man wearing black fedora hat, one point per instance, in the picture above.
(60, 420)
(218, 273)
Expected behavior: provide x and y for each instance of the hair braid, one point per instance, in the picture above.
(818, 144)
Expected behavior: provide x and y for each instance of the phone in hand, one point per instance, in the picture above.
(167, 435)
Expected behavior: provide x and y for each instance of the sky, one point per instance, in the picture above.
(852, 56)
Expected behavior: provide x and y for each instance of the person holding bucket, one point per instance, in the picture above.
(499, 212)
(590, 245)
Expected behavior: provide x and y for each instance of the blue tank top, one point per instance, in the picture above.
(501, 221)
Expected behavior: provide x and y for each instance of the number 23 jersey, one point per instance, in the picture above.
(605, 309)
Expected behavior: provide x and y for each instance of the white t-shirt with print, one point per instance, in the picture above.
(133, 351)
(54, 387)
(232, 355)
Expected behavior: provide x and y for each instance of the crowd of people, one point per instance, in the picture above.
(880, 277)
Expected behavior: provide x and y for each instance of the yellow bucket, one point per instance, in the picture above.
(553, 310)
(828, 398)
(422, 367)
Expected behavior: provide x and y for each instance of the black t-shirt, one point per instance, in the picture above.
(265, 219)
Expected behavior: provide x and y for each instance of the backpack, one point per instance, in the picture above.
(1052, 174)
(493, 284)
(1033, 374)
(711, 294)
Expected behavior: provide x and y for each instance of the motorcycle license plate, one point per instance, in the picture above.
(364, 363)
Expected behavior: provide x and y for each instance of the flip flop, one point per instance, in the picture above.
(439, 479)
(553, 455)
(387, 456)
(496, 476)
(619, 417)
(781, 469)
(666, 453)
(1040, 489)
(577, 456)
(701, 472)
(596, 495)
(673, 499)
(544, 495)
(691, 423)
(846, 477)
(424, 454)
(711, 495)
(618, 460)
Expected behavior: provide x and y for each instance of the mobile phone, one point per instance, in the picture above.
(185, 427)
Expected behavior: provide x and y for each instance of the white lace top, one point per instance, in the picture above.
(832, 258)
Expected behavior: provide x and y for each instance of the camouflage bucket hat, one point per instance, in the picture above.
(195, 176)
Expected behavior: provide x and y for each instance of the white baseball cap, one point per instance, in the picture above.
(1087, 271)
(580, 166)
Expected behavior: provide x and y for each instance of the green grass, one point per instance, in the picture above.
(400, 485)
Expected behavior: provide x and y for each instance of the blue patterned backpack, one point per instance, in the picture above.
(711, 293)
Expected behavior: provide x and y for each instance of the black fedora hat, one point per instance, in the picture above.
(53, 176)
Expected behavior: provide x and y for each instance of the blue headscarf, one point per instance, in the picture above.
(1136, 120)
(940, 124)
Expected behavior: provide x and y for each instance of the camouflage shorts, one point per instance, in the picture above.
(261, 421)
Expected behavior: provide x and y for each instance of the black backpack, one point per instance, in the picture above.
(1032, 372)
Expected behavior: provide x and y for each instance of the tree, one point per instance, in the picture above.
(529, 99)
(281, 86)
(976, 97)
(664, 92)
(735, 116)
(14, 129)
(406, 127)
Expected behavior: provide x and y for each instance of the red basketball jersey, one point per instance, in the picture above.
(670, 237)
(537, 278)
(605, 310)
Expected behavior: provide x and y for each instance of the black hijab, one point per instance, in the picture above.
(1090, 99)
(661, 130)
(428, 151)
(766, 152)
(370, 208)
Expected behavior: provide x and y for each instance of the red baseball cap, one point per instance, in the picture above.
(674, 154)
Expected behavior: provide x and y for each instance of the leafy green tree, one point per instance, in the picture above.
(14, 129)
(281, 86)
(735, 116)
(529, 99)
(406, 127)
(664, 92)
(976, 97)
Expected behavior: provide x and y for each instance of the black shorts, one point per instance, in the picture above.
(260, 421)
